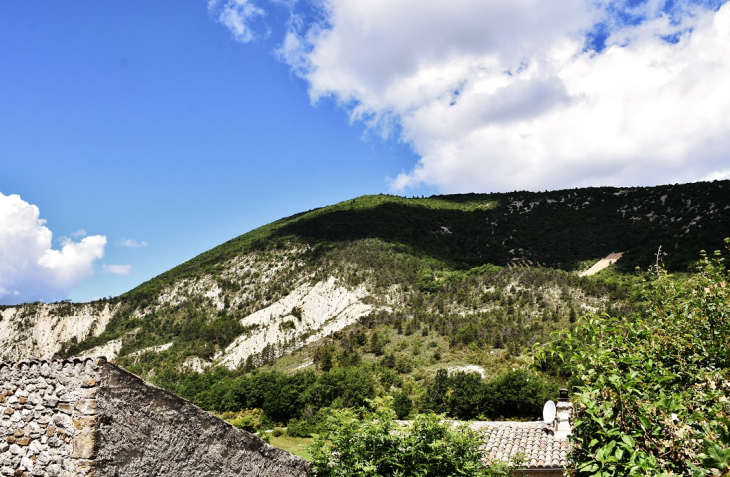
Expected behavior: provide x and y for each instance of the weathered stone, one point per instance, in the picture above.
(83, 446)
(86, 406)
(26, 463)
(86, 422)
(63, 421)
(43, 459)
(54, 470)
(50, 401)
(54, 441)
(87, 417)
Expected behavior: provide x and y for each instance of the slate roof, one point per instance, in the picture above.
(536, 440)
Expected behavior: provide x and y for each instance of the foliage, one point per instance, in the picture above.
(652, 389)
(370, 443)
(402, 405)
(248, 419)
(299, 428)
(516, 394)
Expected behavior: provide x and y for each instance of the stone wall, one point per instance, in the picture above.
(47, 417)
(146, 430)
(88, 417)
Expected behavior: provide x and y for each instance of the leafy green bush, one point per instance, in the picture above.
(370, 443)
(402, 404)
(249, 419)
(652, 389)
(299, 428)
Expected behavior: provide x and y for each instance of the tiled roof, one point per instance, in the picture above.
(535, 440)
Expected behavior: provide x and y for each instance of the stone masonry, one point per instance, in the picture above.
(88, 417)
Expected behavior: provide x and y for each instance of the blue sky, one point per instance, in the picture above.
(173, 126)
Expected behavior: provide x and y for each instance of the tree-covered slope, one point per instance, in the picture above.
(558, 229)
(405, 286)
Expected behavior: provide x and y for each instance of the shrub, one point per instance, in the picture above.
(370, 443)
(299, 428)
(652, 388)
(249, 419)
(402, 404)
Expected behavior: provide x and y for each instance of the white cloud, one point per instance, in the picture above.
(29, 268)
(79, 233)
(237, 15)
(502, 95)
(117, 269)
(131, 243)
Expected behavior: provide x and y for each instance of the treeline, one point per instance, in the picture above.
(304, 398)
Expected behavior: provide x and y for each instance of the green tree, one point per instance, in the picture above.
(370, 443)
(519, 394)
(402, 404)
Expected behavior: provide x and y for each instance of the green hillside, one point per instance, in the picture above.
(558, 229)
(427, 284)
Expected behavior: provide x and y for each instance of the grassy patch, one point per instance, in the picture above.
(294, 445)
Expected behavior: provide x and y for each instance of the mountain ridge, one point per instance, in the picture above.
(498, 264)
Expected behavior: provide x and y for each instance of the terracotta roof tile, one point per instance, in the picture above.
(535, 440)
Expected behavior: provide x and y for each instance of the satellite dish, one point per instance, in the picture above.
(548, 412)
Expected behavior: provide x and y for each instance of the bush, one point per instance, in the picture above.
(249, 419)
(299, 428)
(402, 404)
(370, 443)
(652, 388)
(277, 432)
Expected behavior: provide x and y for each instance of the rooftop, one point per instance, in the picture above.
(536, 441)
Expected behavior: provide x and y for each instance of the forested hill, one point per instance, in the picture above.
(394, 287)
(558, 229)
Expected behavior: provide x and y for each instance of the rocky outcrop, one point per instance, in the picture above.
(40, 329)
(308, 314)
(88, 417)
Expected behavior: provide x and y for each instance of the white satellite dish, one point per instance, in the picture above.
(548, 412)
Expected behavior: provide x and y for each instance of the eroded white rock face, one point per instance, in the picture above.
(194, 364)
(325, 307)
(40, 329)
(109, 350)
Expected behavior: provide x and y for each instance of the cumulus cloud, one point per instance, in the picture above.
(131, 243)
(237, 15)
(530, 94)
(79, 233)
(29, 268)
(117, 269)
